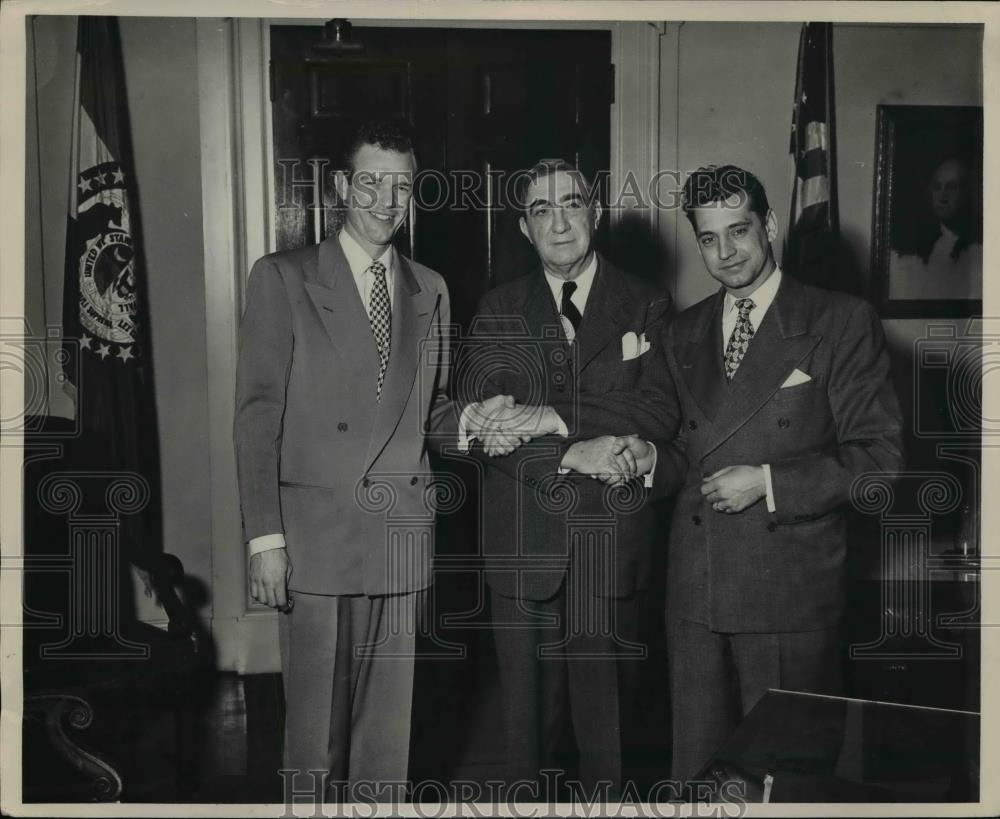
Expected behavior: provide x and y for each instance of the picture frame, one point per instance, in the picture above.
(927, 222)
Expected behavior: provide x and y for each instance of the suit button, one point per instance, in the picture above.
(784, 423)
(413, 481)
(692, 424)
(772, 526)
(696, 520)
(366, 483)
(342, 426)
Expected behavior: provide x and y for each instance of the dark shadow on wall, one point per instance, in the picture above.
(635, 247)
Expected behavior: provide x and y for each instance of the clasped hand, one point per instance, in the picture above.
(502, 425)
(610, 458)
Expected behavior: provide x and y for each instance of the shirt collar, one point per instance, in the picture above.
(358, 258)
(762, 296)
(583, 284)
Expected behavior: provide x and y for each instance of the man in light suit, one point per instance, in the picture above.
(333, 399)
(575, 350)
(786, 400)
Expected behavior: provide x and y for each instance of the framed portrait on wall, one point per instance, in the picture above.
(927, 226)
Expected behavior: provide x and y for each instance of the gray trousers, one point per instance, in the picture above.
(347, 668)
(716, 678)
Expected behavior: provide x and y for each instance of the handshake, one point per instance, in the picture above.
(502, 426)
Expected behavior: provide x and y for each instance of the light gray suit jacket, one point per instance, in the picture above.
(344, 477)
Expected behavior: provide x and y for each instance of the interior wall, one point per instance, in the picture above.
(160, 64)
(726, 96)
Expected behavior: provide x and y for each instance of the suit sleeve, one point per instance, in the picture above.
(263, 364)
(442, 421)
(482, 378)
(868, 423)
(671, 453)
(651, 410)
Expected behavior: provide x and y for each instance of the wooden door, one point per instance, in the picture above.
(481, 104)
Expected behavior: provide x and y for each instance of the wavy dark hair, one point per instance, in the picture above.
(716, 183)
(384, 134)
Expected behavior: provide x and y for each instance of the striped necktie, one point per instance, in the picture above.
(568, 310)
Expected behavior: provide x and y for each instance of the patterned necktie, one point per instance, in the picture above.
(568, 310)
(740, 339)
(380, 316)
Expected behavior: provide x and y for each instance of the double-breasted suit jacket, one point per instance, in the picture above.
(756, 571)
(532, 513)
(343, 476)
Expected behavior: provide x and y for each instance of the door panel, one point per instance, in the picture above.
(480, 104)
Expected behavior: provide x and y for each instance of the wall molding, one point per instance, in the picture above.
(232, 90)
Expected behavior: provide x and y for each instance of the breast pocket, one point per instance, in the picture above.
(805, 391)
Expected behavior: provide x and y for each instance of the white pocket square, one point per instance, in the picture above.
(797, 377)
(630, 346)
(633, 346)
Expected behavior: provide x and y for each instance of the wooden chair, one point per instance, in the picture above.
(112, 705)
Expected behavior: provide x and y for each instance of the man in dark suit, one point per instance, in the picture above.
(574, 350)
(786, 400)
(330, 433)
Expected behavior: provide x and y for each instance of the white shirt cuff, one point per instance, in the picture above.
(464, 439)
(647, 479)
(562, 430)
(770, 489)
(265, 543)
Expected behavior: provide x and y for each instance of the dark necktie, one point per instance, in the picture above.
(380, 316)
(740, 339)
(568, 309)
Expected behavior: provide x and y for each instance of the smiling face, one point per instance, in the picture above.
(735, 244)
(559, 223)
(377, 196)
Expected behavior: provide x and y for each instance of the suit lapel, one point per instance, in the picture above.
(412, 311)
(540, 312)
(781, 342)
(334, 293)
(700, 359)
(609, 308)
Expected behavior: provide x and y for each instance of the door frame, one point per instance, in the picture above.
(238, 228)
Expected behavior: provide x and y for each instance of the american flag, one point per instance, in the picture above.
(813, 231)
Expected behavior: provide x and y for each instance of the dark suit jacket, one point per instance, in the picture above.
(754, 571)
(531, 515)
(341, 475)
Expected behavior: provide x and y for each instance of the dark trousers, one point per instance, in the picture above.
(567, 667)
(716, 678)
(347, 668)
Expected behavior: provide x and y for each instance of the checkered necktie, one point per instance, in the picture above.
(380, 316)
(740, 339)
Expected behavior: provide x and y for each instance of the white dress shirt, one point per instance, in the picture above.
(762, 298)
(579, 298)
(359, 261)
